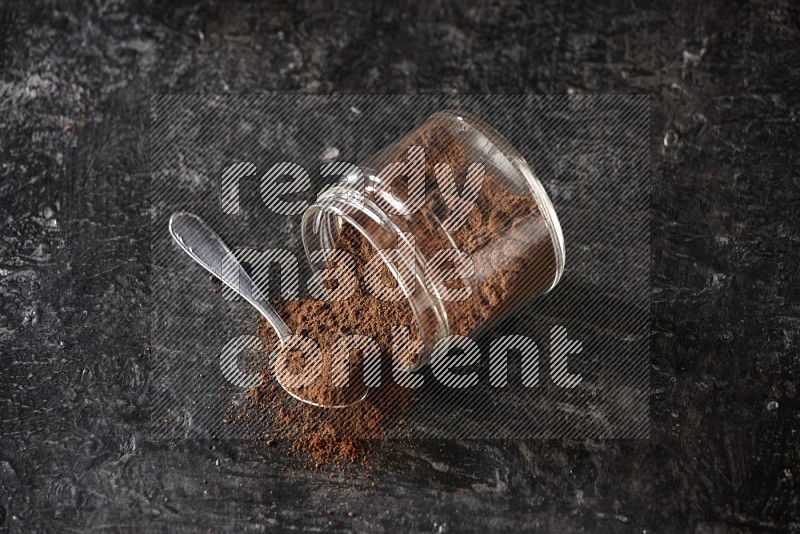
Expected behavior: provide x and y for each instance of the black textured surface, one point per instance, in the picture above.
(74, 94)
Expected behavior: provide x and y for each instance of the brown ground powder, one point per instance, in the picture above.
(510, 246)
(504, 234)
(323, 433)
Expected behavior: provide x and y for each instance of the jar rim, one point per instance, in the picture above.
(338, 202)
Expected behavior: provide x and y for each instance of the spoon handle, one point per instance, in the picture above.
(208, 249)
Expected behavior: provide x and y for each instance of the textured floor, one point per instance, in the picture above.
(76, 78)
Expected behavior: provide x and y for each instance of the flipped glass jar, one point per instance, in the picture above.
(458, 218)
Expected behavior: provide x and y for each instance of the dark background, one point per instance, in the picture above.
(724, 452)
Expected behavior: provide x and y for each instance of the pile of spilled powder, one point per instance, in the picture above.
(326, 434)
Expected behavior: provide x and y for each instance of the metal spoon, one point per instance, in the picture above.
(208, 249)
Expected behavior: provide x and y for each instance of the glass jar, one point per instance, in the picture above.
(457, 217)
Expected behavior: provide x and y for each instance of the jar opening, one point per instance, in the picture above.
(322, 226)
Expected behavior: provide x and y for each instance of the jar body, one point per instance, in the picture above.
(457, 217)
